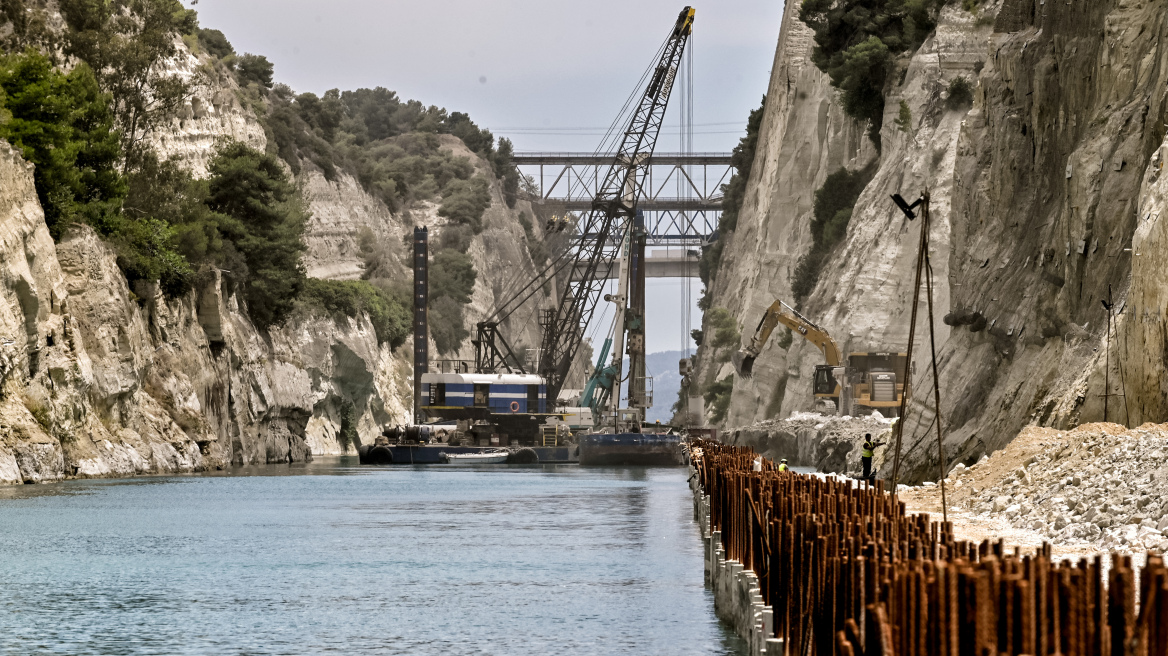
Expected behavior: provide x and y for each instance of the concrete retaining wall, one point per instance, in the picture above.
(737, 596)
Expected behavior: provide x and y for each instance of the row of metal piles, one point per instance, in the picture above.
(847, 572)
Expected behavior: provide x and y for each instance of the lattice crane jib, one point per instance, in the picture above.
(602, 232)
(613, 210)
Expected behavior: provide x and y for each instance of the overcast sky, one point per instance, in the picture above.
(545, 73)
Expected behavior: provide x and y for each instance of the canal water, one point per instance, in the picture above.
(333, 557)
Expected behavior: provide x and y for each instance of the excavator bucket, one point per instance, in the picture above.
(743, 363)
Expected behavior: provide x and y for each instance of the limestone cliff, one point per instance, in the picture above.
(1037, 192)
(342, 212)
(97, 380)
(213, 113)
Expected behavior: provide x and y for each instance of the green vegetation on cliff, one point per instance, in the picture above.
(717, 397)
(857, 42)
(452, 280)
(834, 203)
(63, 124)
(391, 147)
(127, 43)
(264, 223)
(388, 312)
(86, 131)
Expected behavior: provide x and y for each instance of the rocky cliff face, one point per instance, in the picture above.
(96, 380)
(1040, 192)
(342, 212)
(213, 113)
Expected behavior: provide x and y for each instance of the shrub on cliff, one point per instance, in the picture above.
(127, 43)
(254, 69)
(733, 194)
(717, 398)
(215, 43)
(452, 275)
(960, 93)
(391, 147)
(260, 214)
(63, 124)
(295, 140)
(506, 171)
(856, 42)
(447, 325)
(834, 203)
(725, 330)
(452, 280)
(389, 315)
(464, 201)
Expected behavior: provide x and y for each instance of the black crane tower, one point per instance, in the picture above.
(421, 314)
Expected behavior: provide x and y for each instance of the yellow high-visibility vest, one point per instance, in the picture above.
(867, 452)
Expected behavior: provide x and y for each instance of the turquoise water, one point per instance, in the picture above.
(335, 558)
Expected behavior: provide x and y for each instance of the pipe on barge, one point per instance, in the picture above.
(807, 566)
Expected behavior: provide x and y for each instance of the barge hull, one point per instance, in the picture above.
(638, 449)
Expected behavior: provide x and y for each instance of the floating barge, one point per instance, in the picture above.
(643, 449)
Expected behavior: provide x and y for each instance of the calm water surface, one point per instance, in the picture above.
(332, 557)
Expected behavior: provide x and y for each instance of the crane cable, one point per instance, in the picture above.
(502, 310)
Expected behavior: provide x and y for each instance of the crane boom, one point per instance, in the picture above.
(613, 209)
(781, 313)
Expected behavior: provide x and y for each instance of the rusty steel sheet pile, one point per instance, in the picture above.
(848, 572)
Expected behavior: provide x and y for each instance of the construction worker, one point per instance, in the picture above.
(783, 465)
(867, 453)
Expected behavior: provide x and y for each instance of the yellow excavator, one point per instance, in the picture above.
(869, 380)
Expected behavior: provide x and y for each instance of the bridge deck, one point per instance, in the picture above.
(658, 159)
(648, 205)
(656, 266)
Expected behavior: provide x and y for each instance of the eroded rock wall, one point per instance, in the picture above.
(99, 381)
(804, 137)
(1037, 191)
(342, 212)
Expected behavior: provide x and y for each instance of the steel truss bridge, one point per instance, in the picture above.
(683, 191)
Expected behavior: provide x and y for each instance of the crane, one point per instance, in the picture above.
(599, 388)
(604, 233)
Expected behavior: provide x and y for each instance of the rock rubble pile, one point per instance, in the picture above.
(1099, 484)
(827, 443)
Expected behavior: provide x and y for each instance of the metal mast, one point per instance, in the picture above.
(421, 314)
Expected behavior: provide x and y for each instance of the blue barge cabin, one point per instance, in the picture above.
(478, 395)
(513, 406)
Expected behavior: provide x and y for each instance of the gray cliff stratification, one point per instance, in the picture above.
(342, 213)
(1037, 191)
(98, 381)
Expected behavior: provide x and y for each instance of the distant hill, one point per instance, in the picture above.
(666, 383)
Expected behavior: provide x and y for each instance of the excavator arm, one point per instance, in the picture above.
(781, 313)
